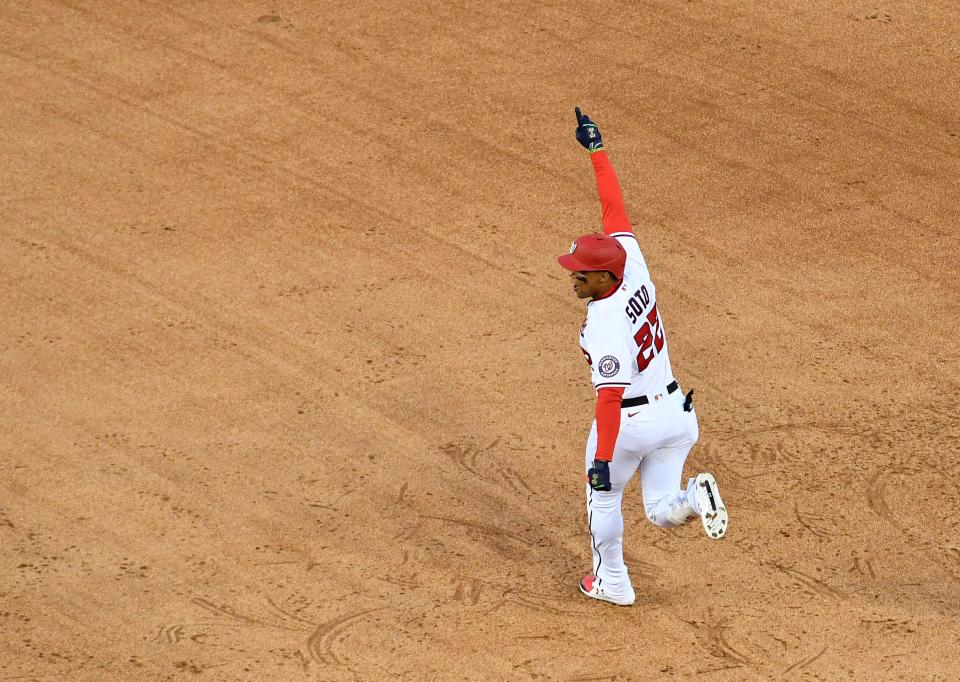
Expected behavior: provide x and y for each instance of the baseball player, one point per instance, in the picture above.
(643, 420)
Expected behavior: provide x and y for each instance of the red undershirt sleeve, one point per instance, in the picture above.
(611, 197)
(608, 420)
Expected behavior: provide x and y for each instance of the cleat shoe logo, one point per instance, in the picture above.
(713, 504)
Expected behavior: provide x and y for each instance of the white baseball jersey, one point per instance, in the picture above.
(623, 337)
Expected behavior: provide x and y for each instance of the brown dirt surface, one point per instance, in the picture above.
(290, 379)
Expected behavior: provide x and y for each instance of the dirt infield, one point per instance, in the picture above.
(289, 373)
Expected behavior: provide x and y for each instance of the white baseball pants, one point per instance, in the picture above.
(656, 439)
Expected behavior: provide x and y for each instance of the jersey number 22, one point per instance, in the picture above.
(649, 339)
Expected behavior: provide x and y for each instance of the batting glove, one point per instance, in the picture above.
(588, 134)
(598, 476)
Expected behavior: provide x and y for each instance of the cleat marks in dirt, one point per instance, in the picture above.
(876, 499)
(812, 585)
(711, 634)
(170, 634)
(468, 591)
(291, 613)
(472, 591)
(465, 456)
(813, 522)
(804, 662)
(953, 554)
(766, 454)
(642, 570)
(516, 481)
(900, 626)
(408, 581)
(405, 533)
(486, 529)
(320, 644)
(288, 616)
(174, 634)
(534, 604)
(863, 567)
(226, 611)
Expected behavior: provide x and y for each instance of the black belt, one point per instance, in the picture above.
(644, 400)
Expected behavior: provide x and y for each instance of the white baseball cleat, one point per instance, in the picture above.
(588, 585)
(712, 511)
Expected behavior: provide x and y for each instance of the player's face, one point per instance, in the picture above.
(590, 283)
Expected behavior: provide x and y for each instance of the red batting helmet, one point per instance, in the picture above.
(595, 252)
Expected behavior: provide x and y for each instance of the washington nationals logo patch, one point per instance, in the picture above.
(609, 366)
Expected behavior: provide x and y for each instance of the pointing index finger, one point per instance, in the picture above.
(579, 115)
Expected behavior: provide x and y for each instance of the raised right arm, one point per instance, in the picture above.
(611, 197)
(615, 219)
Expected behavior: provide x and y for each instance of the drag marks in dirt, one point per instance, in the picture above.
(405, 579)
(407, 532)
(711, 634)
(230, 613)
(877, 501)
(468, 591)
(30, 248)
(814, 523)
(736, 473)
(899, 626)
(863, 567)
(490, 596)
(291, 612)
(193, 632)
(471, 458)
(804, 662)
(323, 639)
(517, 482)
(483, 528)
(905, 525)
(769, 649)
(525, 667)
(465, 456)
(319, 639)
(766, 454)
(769, 450)
(811, 585)
(954, 555)
(170, 634)
(510, 597)
(839, 428)
(641, 570)
(402, 493)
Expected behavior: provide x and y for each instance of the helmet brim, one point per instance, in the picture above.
(571, 262)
